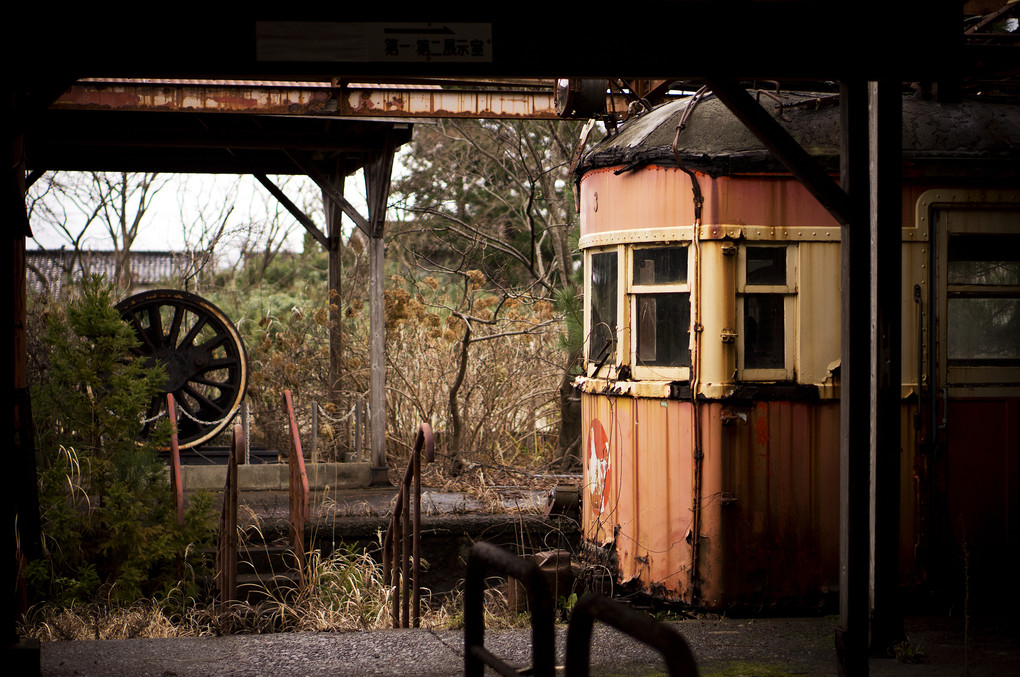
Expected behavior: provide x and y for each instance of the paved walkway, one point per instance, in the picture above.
(723, 647)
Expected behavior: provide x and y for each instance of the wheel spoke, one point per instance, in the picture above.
(204, 402)
(222, 386)
(214, 342)
(156, 327)
(193, 333)
(147, 347)
(175, 326)
(185, 421)
(229, 362)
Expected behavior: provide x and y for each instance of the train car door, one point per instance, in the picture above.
(975, 403)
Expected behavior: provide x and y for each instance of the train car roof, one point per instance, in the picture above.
(976, 135)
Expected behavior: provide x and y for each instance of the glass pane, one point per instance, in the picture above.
(983, 329)
(984, 259)
(663, 265)
(766, 265)
(764, 332)
(602, 339)
(663, 330)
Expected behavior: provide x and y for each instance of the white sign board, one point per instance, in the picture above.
(376, 42)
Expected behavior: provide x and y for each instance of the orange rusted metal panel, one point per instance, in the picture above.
(611, 202)
(647, 482)
(761, 200)
(620, 202)
(769, 502)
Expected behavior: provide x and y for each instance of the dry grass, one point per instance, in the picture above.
(448, 612)
(342, 593)
(100, 621)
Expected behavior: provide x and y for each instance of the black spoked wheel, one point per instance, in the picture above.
(205, 360)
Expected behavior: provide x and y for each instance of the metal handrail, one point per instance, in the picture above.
(176, 481)
(395, 544)
(483, 559)
(670, 643)
(299, 510)
(226, 563)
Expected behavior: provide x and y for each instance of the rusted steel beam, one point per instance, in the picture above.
(389, 101)
(535, 100)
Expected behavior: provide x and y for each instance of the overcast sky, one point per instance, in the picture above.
(184, 199)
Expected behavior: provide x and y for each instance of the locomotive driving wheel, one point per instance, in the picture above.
(204, 358)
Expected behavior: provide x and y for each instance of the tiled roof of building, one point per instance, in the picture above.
(50, 271)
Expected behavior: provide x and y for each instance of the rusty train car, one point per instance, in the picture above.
(710, 394)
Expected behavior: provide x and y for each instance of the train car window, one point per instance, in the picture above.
(766, 288)
(766, 265)
(660, 266)
(661, 311)
(603, 282)
(764, 331)
(983, 299)
(662, 335)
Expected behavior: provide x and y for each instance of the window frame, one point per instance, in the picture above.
(611, 367)
(788, 291)
(963, 220)
(633, 292)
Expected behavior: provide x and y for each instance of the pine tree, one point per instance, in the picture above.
(105, 503)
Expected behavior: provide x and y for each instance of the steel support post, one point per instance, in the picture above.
(885, 121)
(854, 386)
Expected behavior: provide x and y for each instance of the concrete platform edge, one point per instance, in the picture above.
(276, 477)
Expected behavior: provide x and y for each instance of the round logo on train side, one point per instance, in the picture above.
(598, 467)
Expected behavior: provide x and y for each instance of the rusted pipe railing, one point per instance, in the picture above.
(226, 559)
(670, 643)
(298, 489)
(176, 481)
(396, 559)
(483, 560)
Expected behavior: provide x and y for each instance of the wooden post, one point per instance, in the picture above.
(359, 427)
(22, 483)
(377, 182)
(315, 433)
(334, 235)
(377, 362)
(246, 431)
